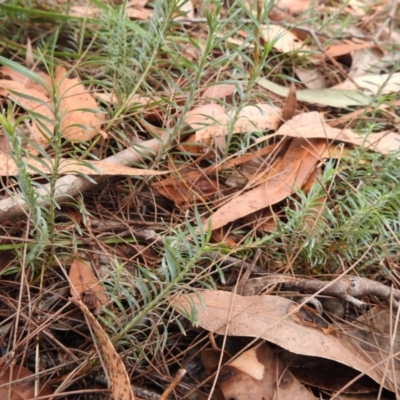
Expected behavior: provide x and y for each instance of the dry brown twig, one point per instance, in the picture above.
(178, 377)
(347, 288)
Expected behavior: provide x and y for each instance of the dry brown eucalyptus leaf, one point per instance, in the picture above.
(289, 174)
(311, 77)
(211, 121)
(24, 81)
(293, 6)
(373, 84)
(256, 118)
(39, 104)
(312, 125)
(118, 378)
(81, 117)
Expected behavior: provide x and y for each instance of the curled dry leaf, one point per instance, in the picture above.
(209, 121)
(24, 81)
(256, 118)
(24, 390)
(268, 317)
(311, 77)
(137, 3)
(75, 167)
(87, 11)
(347, 47)
(81, 118)
(363, 61)
(29, 59)
(136, 100)
(139, 13)
(6, 86)
(118, 378)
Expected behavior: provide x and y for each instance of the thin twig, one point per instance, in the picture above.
(243, 280)
(178, 377)
(347, 288)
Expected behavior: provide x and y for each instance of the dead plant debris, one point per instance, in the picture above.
(215, 185)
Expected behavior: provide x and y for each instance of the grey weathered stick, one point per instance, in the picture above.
(347, 288)
(70, 185)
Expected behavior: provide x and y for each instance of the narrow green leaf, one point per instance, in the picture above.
(337, 98)
(23, 71)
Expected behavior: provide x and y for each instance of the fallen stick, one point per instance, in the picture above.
(347, 288)
(71, 185)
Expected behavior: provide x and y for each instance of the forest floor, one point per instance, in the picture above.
(199, 200)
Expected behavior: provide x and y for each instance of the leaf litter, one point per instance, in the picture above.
(269, 317)
(289, 132)
(259, 374)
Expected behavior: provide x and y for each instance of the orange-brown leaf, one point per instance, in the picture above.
(82, 279)
(26, 82)
(42, 126)
(21, 391)
(81, 117)
(118, 378)
(288, 174)
(290, 105)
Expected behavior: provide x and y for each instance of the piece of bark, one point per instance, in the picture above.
(70, 185)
